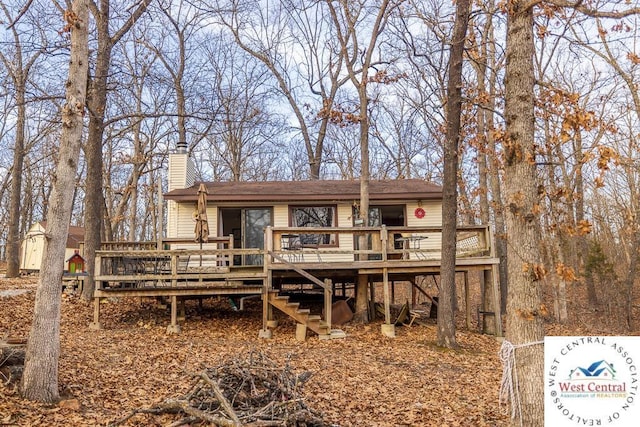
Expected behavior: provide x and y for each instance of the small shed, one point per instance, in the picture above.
(32, 246)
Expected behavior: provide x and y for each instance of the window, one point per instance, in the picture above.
(317, 217)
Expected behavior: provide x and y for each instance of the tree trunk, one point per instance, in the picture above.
(494, 165)
(97, 100)
(13, 235)
(18, 69)
(582, 244)
(347, 33)
(446, 302)
(362, 302)
(40, 377)
(94, 199)
(525, 269)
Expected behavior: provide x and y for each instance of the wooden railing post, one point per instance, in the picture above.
(174, 269)
(266, 284)
(268, 250)
(98, 270)
(490, 242)
(384, 238)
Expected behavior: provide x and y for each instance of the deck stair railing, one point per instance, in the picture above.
(326, 286)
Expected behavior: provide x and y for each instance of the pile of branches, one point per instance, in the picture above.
(243, 392)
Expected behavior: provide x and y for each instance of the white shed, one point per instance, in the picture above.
(32, 246)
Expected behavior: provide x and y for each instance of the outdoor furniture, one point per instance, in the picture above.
(414, 315)
(411, 243)
(290, 243)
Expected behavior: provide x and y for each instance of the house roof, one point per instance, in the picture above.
(320, 191)
(75, 237)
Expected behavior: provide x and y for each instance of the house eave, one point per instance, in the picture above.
(310, 191)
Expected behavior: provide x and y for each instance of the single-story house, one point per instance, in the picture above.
(265, 238)
(245, 209)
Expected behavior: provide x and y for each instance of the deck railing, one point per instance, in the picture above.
(183, 260)
(349, 244)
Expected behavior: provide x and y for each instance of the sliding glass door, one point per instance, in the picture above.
(254, 221)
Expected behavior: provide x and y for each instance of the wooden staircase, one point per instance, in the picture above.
(304, 316)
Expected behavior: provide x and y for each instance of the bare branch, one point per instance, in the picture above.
(22, 12)
(595, 13)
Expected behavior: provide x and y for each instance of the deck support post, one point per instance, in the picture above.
(388, 329)
(267, 312)
(393, 292)
(182, 311)
(495, 282)
(414, 292)
(174, 328)
(301, 332)
(95, 325)
(372, 301)
(467, 300)
(328, 302)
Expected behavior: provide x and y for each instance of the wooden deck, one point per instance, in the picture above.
(392, 254)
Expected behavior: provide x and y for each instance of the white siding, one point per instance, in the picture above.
(432, 217)
(190, 177)
(172, 219)
(180, 175)
(181, 171)
(281, 216)
(344, 215)
(345, 219)
(32, 248)
(180, 220)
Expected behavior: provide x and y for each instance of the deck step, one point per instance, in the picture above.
(300, 315)
(333, 335)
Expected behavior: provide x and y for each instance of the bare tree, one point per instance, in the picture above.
(310, 84)
(40, 377)
(399, 139)
(446, 303)
(248, 136)
(525, 267)
(97, 101)
(19, 67)
(133, 136)
(487, 62)
(424, 84)
(348, 18)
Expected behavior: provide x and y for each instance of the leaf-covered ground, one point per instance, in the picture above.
(362, 380)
